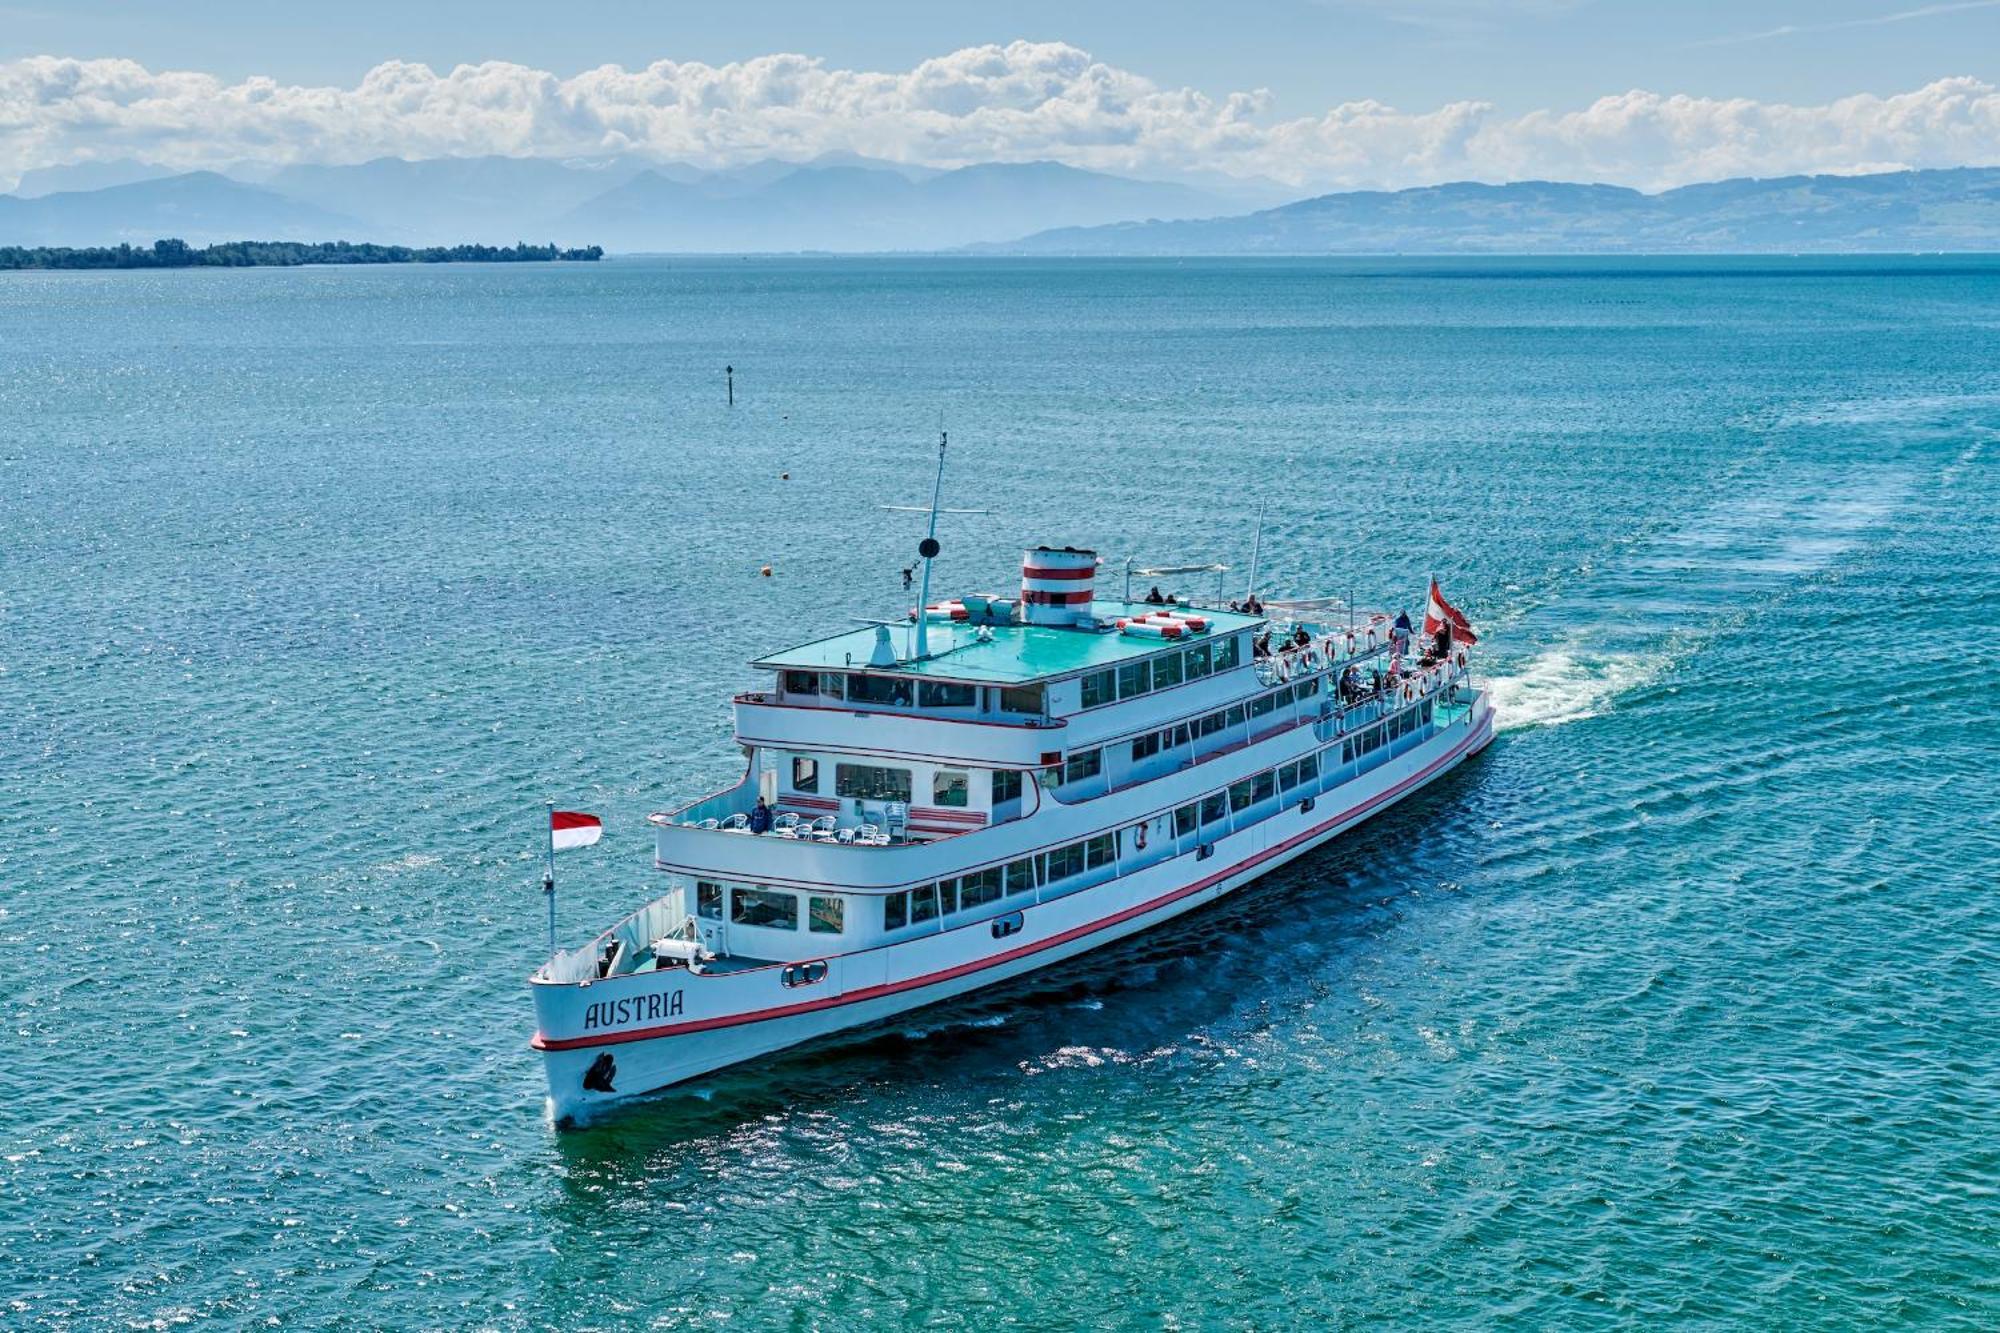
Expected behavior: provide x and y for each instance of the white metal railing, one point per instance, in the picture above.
(665, 915)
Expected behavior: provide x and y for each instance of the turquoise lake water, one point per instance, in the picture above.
(1679, 1006)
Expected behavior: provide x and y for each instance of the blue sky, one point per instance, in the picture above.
(1519, 54)
(1307, 92)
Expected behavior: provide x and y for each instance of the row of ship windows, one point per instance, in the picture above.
(770, 909)
(773, 909)
(927, 902)
(1161, 672)
(1089, 763)
(897, 691)
(1402, 724)
(874, 782)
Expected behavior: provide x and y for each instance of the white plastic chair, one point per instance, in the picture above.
(711, 823)
(736, 822)
(787, 820)
(845, 835)
(824, 824)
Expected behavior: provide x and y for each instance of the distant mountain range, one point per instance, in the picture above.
(839, 202)
(1894, 211)
(846, 203)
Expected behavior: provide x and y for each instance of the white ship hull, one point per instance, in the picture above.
(609, 1040)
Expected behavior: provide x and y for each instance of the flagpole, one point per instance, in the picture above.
(549, 879)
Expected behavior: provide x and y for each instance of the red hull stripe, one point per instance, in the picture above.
(1037, 572)
(1474, 741)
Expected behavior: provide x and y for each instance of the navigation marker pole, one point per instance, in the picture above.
(549, 879)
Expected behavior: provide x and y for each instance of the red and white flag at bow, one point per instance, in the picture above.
(570, 829)
(1440, 612)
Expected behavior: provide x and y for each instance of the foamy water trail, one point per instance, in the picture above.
(1625, 624)
(1565, 685)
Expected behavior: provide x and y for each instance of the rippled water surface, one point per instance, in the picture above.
(1679, 1005)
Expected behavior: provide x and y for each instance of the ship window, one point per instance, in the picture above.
(1101, 850)
(1145, 747)
(1234, 717)
(708, 899)
(949, 786)
(944, 694)
(1021, 876)
(801, 682)
(1211, 724)
(805, 774)
(979, 888)
(1284, 697)
(1064, 862)
(761, 907)
(1029, 698)
(1134, 679)
(1100, 687)
(869, 783)
(879, 690)
(833, 685)
(1239, 795)
(1288, 776)
(1167, 671)
(1083, 764)
(1307, 688)
(1213, 807)
(1347, 751)
(1427, 712)
(1228, 652)
(896, 911)
(1263, 704)
(1182, 735)
(826, 916)
(1006, 785)
(1309, 768)
(1266, 786)
(947, 896)
(1184, 820)
(924, 903)
(1197, 661)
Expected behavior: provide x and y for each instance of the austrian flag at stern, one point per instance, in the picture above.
(1439, 612)
(570, 829)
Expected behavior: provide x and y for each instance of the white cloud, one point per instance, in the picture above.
(1021, 101)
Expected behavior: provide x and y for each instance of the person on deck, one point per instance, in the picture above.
(1400, 635)
(1301, 639)
(760, 817)
(1155, 597)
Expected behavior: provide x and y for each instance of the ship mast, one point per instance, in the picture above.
(928, 548)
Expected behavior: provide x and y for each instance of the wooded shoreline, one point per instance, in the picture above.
(282, 254)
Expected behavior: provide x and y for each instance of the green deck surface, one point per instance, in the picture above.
(1015, 655)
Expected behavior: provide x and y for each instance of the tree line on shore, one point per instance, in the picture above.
(266, 254)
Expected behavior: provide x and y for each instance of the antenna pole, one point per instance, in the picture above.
(930, 546)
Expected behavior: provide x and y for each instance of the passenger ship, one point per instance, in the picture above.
(998, 786)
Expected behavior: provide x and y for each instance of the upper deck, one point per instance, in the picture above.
(1004, 653)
